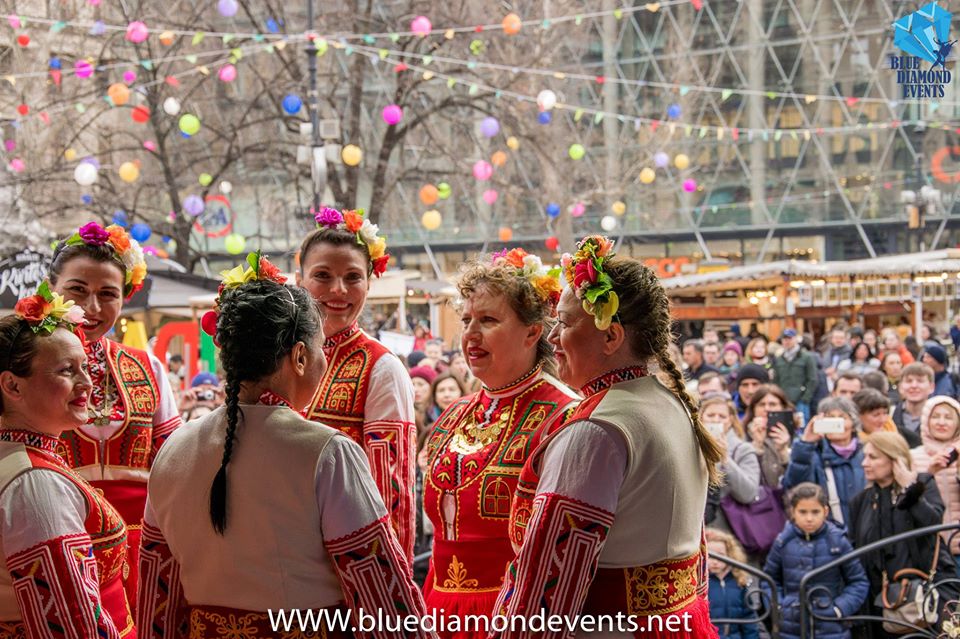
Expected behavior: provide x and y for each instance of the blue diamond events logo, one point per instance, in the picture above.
(923, 35)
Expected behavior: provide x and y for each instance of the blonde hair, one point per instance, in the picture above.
(733, 551)
(893, 446)
(710, 400)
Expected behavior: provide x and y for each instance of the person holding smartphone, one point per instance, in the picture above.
(829, 454)
(940, 432)
(770, 437)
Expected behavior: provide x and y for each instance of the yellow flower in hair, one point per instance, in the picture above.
(603, 312)
(377, 248)
(237, 276)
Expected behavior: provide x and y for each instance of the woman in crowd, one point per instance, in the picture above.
(740, 466)
(64, 545)
(771, 441)
(632, 463)
(861, 360)
(833, 461)
(730, 360)
(870, 339)
(304, 487)
(891, 364)
(940, 432)
(421, 378)
(892, 343)
(897, 500)
(132, 408)
(460, 369)
(481, 441)
(366, 392)
(874, 409)
(444, 390)
(757, 353)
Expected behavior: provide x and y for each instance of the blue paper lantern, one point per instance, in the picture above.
(56, 64)
(674, 111)
(272, 26)
(553, 209)
(86, 199)
(292, 104)
(120, 218)
(140, 232)
(544, 117)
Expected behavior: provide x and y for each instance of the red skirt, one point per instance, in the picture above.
(129, 498)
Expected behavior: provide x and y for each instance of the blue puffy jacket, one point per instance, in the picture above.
(728, 601)
(807, 463)
(793, 555)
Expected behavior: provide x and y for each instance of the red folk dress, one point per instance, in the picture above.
(476, 451)
(366, 394)
(64, 548)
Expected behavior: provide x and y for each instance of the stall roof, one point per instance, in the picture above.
(947, 260)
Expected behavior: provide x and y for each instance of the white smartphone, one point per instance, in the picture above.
(716, 429)
(829, 425)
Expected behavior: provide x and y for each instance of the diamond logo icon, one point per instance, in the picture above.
(925, 33)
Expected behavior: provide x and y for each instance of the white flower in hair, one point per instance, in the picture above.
(75, 315)
(532, 265)
(368, 232)
(133, 255)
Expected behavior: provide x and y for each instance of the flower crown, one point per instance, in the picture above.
(126, 249)
(256, 268)
(584, 272)
(45, 311)
(545, 281)
(366, 232)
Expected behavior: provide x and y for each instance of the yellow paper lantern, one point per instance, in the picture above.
(505, 234)
(498, 159)
(429, 194)
(618, 208)
(351, 155)
(69, 155)
(647, 175)
(118, 93)
(681, 161)
(431, 220)
(513, 143)
(129, 172)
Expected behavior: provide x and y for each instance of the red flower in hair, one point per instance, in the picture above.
(584, 273)
(380, 265)
(33, 308)
(352, 220)
(268, 271)
(515, 257)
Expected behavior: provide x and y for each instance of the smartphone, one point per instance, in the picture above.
(715, 429)
(952, 457)
(829, 425)
(782, 417)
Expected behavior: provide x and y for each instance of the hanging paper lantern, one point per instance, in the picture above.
(608, 223)
(129, 172)
(23, 40)
(482, 170)
(140, 114)
(226, 187)
(661, 160)
(82, 69)
(674, 111)
(490, 196)
(85, 174)
(578, 209)
(689, 185)
(227, 8)
(55, 63)
(552, 243)
(499, 158)
(171, 106)
(10, 145)
(292, 104)
(227, 73)
(618, 208)
(351, 155)
(429, 194)
(513, 143)
(118, 93)
(189, 124)
(17, 165)
(272, 26)
(505, 234)
(98, 28)
(489, 127)
(421, 26)
(150, 250)
(140, 232)
(576, 151)
(193, 205)
(444, 190)
(392, 114)
(431, 220)
(129, 77)
(546, 100)
(166, 38)
(137, 32)
(23, 109)
(205, 179)
(86, 199)
(553, 209)
(120, 218)
(647, 175)
(149, 145)
(235, 243)
(681, 161)
(511, 24)
(69, 155)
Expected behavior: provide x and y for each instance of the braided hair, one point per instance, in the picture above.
(644, 314)
(258, 325)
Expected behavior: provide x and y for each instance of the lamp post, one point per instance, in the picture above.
(318, 158)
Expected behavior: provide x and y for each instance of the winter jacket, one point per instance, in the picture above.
(913, 438)
(947, 482)
(796, 553)
(728, 601)
(741, 477)
(943, 385)
(797, 378)
(831, 357)
(808, 462)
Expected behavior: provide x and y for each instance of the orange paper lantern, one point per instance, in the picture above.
(505, 234)
(429, 194)
(512, 24)
(498, 159)
(118, 93)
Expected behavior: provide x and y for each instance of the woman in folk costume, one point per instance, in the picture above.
(293, 519)
(610, 509)
(132, 408)
(480, 442)
(63, 544)
(366, 392)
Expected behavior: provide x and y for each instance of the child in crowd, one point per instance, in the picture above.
(729, 587)
(808, 542)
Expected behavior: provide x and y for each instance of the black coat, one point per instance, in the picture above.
(871, 520)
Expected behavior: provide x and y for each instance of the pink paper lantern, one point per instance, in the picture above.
(577, 209)
(227, 73)
(83, 69)
(421, 26)
(689, 185)
(490, 196)
(17, 165)
(149, 146)
(482, 170)
(392, 114)
(129, 77)
(137, 32)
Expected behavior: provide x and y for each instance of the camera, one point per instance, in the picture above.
(206, 395)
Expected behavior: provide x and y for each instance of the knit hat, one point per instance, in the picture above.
(790, 332)
(204, 378)
(415, 357)
(733, 346)
(423, 372)
(753, 371)
(937, 352)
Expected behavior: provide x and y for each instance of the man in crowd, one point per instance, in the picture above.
(838, 351)
(711, 353)
(693, 358)
(795, 371)
(935, 356)
(916, 386)
(711, 383)
(750, 378)
(847, 385)
(711, 336)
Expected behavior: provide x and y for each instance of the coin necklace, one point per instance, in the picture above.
(101, 417)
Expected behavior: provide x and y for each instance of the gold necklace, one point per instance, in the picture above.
(102, 416)
(472, 437)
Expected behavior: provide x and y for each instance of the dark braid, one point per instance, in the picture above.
(644, 314)
(259, 324)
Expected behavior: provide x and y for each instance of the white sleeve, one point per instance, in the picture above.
(347, 497)
(585, 461)
(391, 393)
(167, 416)
(37, 506)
